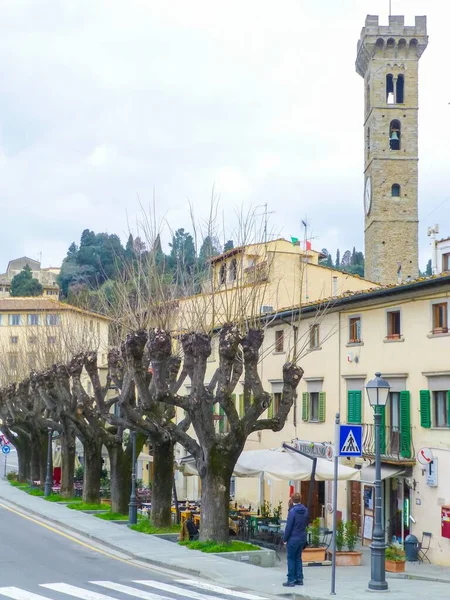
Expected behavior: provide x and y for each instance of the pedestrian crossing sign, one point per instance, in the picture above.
(350, 440)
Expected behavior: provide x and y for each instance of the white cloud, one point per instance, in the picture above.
(106, 103)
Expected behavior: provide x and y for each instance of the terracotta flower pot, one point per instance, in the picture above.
(348, 559)
(313, 554)
(395, 566)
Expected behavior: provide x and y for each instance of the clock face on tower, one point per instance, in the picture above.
(368, 195)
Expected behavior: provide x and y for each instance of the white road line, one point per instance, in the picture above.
(18, 594)
(72, 590)
(131, 591)
(174, 589)
(219, 590)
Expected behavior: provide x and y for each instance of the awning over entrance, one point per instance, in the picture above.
(279, 464)
(387, 471)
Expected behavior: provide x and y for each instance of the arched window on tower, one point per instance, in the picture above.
(395, 190)
(390, 89)
(394, 135)
(400, 89)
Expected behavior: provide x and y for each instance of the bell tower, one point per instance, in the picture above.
(388, 60)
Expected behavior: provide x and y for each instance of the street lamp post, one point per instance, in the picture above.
(132, 513)
(378, 392)
(49, 477)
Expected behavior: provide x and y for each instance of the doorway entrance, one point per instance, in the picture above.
(318, 498)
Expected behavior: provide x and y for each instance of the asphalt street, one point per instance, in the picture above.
(38, 561)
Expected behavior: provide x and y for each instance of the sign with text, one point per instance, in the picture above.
(315, 449)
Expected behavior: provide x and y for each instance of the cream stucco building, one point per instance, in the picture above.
(37, 332)
(401, 331)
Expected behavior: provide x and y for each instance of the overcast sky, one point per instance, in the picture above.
(106, 103)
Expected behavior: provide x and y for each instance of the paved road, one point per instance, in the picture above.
(37, 562)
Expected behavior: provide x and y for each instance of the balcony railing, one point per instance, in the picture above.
(395, 445)
(257, 273)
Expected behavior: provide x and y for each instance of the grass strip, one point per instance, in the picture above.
(87, 506)
(112, 516)
(210, 546)
(146, 526)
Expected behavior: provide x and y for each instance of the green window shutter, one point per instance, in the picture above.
(322, 406)
(382, 411)
(354, 407)
(241, 405)
(448, 408)
(305, 406)
(222, 420)
(425, 408)
(405, 424)
(270, 409)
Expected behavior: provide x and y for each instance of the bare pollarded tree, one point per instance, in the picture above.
(215, 453)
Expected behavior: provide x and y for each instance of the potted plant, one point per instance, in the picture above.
(347, 535)
(395, 559)
(314, 551)
(277, 512)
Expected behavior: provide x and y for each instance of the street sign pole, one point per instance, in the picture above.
(335, 490)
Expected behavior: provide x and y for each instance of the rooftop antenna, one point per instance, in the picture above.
(40, 257)
(265, 214)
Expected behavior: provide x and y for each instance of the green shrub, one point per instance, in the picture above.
(340, 536)
(11, 476)
(395, 554)
(315, 533)
(351, 535)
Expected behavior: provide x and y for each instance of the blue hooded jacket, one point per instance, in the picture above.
(297, 523)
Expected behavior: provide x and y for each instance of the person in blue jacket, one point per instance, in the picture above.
(295, 538)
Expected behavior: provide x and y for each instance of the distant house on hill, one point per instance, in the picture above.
(46, 276)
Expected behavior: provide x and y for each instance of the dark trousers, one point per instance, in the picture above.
(294, 560)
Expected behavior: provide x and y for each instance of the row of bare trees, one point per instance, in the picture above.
(157, 382)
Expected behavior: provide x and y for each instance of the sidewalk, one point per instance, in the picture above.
(351, 582)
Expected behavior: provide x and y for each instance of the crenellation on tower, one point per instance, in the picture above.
(388, 60)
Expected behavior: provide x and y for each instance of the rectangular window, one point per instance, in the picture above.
(314, 336)
(51, 339)
(33, 319)
(446, 262)
(355, 330)
(52, 320)
(276, 402)
(440, 321)
(393, 324)
(32, 361)
(12, 361)
(440, 408)
(279, 341)
(32, 339)
(394, 415)
(14, 339)
(314, 407)
(14, 319)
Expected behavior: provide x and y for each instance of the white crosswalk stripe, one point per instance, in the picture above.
(174, 589)
(126, 589)
(15, 593)
(219, 590)
(77, 592)
(18, 594)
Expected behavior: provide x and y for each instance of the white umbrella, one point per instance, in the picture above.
(280, 464)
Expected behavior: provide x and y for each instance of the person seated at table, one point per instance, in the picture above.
(192, 529)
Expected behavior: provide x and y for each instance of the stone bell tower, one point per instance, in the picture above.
(388, 60)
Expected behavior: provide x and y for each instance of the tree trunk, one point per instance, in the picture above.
(120, 463)
(92, 471)
(162, 484)
(35, 459)
(23, 448)
(215, 477)
(43, 457)
(68, 449)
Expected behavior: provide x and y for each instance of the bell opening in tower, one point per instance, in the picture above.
(390, 89)
(394, 134)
